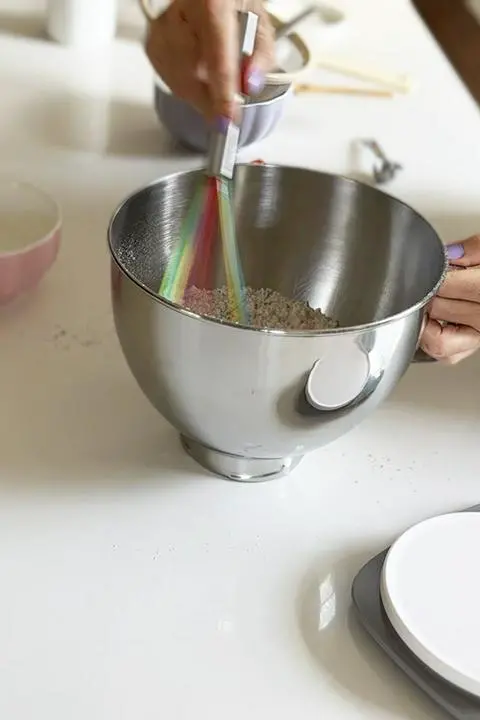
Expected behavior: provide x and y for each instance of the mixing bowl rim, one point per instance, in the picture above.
(57, 217)
(163, 88)
(272, 331)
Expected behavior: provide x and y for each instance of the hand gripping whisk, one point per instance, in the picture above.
(211, 214)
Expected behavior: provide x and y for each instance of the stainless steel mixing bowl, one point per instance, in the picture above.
(250, 403)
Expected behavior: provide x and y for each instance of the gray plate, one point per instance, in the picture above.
(369, 608)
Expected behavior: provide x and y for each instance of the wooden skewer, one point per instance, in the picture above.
(399, 83)
(339, 90)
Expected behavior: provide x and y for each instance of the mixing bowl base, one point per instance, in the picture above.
(237, 467)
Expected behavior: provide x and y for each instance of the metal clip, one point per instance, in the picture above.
(387, 170)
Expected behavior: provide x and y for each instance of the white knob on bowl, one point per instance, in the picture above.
(338, 378)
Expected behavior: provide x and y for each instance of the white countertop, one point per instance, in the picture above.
(132, 585)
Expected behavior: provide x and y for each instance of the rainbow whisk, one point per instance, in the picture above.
(211, 214)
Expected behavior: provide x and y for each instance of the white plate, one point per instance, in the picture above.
(430, 590)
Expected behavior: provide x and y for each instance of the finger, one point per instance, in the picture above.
(217, 29)
(466, 253)
(463, 285)
(169, 39)
(455, 359)
(197, 93)
(458, 312)
(157, 30)
(444, 342)
(263, 58)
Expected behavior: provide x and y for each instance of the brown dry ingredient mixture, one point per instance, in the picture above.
(267, 309)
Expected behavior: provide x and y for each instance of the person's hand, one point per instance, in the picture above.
(193, 46)
(452, 332)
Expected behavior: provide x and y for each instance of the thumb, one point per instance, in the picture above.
(466, 253)
(443, 342)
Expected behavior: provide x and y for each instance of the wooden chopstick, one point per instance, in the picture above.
(395, 83)
(301, 88)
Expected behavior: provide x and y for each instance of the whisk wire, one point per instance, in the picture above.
(172, 278)
(233, 267)
(202, 270)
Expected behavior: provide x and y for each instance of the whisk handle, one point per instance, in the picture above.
(223, 147)
(248, 23)
(222, 151)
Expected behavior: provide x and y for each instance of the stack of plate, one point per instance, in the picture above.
(420, 601)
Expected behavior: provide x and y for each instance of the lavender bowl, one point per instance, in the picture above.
(188, 127)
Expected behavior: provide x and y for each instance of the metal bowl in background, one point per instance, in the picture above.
(250, 403)
(187, 126)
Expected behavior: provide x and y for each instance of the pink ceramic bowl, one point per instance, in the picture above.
(30, 230)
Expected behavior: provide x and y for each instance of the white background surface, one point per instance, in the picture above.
(131, 584)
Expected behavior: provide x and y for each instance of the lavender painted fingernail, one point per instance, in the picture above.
(221, 124)
(455, 252)
(256, 81)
